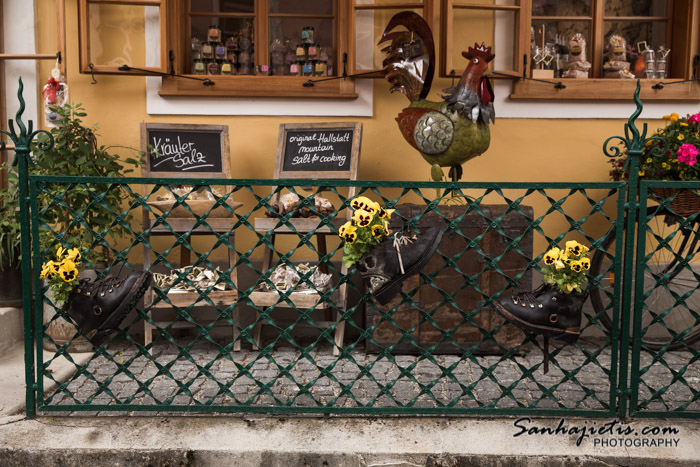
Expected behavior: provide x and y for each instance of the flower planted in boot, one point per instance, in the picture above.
(554, 308)
(546, 311)
(388, 264)
(99, 307)
(384, 261)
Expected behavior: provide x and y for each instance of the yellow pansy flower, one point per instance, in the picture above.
(385, 213)
(576, 266)
(362, 217)
(350, 234)
(68, 271)
(585, 263)
(361, 202)
(574, 248)
(60, 251)
(343, 228)
(47, 270)
(551, 256)
(559, 264)
(73, 254)
(378, 230)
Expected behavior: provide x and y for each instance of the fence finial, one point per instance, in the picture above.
(635, 143)
(23, 140)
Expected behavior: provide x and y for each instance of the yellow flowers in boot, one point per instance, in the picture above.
(62, 273)
(566, 268)
(368, 227)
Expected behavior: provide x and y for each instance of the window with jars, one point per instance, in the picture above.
(274, 47)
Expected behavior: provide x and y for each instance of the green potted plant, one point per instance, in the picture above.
(10, 248)
(76, 152)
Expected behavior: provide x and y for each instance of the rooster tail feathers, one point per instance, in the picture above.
(409, 69)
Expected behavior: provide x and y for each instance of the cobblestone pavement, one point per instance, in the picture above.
(205, 375)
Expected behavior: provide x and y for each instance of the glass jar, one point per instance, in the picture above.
(308, 68)
(219, 51)
(307, 35)
(213, 67)
(207, 51)
(199, 68)
(294, 69)
(320, 68)
(226, 68)
(301, 52)
(196, 49)
(312, 52)
(214, 33)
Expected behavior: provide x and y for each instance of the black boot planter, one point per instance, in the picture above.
(546, 311)
(385, 267)
(98, 308)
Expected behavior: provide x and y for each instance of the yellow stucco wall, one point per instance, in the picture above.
(521, 149)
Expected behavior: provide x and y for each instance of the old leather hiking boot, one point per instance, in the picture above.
(388, 264)
(545, 311)
(99, 307)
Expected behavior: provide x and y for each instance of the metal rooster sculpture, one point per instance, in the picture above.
(448, 133)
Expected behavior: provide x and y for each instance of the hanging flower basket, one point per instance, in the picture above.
(684, 202)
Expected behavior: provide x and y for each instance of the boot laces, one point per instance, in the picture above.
(528, 298)
(89, 287)
(399, 241)
(102, 286)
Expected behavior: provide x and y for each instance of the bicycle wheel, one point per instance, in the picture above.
(671, 290)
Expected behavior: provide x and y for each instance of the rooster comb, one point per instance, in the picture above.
(479, 51)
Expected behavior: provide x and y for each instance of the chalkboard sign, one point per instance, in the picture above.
(177, 150)
(318, 150)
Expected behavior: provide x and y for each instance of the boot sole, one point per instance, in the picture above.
(568, 336)
(114, 320)
(392, 288)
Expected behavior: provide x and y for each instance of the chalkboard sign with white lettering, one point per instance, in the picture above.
(177, 150)
(319, 150)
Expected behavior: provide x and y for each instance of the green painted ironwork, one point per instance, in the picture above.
(497, 251)
(22, 140)
(428, 395)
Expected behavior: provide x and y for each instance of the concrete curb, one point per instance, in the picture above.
(284, 442)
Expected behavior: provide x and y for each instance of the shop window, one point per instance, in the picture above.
(535, 36)
(496, 23)
(246, 48)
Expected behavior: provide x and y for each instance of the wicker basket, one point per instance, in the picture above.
(684, 202)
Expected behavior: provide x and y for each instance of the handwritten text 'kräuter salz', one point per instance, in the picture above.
(184, 155)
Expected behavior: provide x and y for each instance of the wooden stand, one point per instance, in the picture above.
(272, 227)
(177, 226)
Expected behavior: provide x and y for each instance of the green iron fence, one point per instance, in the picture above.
(439, 348)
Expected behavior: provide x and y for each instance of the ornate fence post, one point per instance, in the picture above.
(23, 142)
(634, 142)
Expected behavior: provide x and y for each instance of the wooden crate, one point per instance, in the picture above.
(471, 263)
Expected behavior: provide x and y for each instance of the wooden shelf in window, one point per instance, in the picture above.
(605, 89)
(259, 86)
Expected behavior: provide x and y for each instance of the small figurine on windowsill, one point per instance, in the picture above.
(617, 65)
(578, 66)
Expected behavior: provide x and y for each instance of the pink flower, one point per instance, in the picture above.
(694, 118)
(688, 154)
